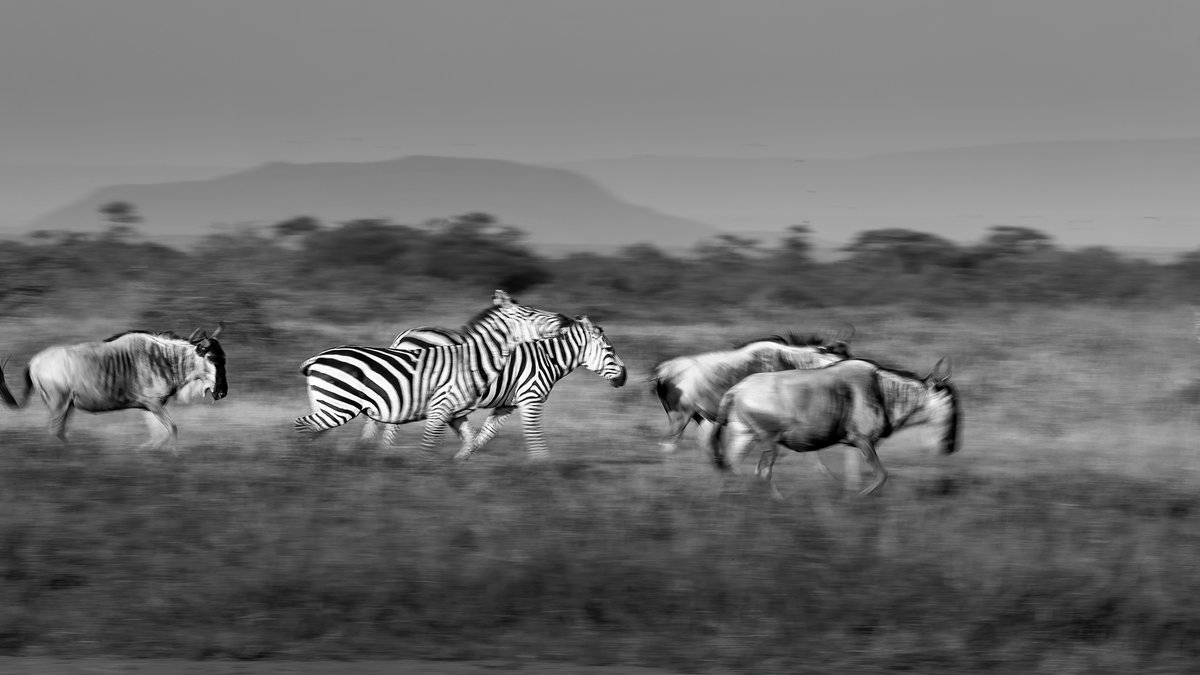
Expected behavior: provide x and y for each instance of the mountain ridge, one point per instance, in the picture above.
(407, 190)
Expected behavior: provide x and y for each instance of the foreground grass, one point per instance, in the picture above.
(1063, 538)
(283, 550)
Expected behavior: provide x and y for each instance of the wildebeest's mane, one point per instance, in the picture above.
(885, 368)
(791, 340)
(168, 335)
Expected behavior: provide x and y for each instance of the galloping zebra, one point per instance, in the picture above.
(526, 380)
(399, 386)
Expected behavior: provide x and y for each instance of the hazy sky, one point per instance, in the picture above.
(240, 82)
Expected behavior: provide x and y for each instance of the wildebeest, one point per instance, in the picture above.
(855, 402)
(690, 387)
(135, 369)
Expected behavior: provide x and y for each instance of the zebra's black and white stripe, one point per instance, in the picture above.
(398, 386)
(525, 381)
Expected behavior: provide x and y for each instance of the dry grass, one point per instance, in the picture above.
(1062, 539)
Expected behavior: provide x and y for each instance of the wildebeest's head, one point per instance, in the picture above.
(598, 354)
(941, 406)
(213, 357)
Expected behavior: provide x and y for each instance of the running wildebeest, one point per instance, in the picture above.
(135, 369)
(690, 387)
(855, 402)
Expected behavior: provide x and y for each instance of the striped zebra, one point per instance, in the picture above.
(526, 380)
(399, 386)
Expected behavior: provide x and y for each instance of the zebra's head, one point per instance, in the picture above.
(524, 323)
(598, 354)
(212, 361)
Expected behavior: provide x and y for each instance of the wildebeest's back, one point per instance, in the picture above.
(104, 376)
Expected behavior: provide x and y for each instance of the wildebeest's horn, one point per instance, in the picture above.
(193, 339)
(847, 336)
(934, 374)
(215, 333)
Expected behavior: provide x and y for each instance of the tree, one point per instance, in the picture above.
(120, 213)
(1015, 240)
(300, 226)
(910, 249)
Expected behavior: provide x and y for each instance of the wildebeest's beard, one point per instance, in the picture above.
(213, 355)
(216, 356)
(949, 440)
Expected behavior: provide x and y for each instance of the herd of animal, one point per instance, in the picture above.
(803, 394)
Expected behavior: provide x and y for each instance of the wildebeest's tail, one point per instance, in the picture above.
(6, 395)
(715, 442)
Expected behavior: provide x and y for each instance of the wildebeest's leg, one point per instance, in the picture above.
(171, 432)
(736, 439)
(867, 448)
(766, 469)
(678, 420)
(852, 467)
(59, 406)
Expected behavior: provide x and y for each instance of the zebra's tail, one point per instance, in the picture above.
(308, 425)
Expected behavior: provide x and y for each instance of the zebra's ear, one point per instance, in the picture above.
(502, 298)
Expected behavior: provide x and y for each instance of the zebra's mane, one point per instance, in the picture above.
(791, 340)
(483, 314)
(165, 335)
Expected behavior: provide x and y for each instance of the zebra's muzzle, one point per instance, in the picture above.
(619, 380)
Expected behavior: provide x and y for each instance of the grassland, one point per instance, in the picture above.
(1063, 538)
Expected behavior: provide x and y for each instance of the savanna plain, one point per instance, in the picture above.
(1063, 537)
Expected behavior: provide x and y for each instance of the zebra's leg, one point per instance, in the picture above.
(435, 426)
(169, 430)
(535, 433)
(487, 432)
(678, 420)
(462, 426)
(369, 431)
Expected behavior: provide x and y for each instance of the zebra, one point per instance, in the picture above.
(399, 386)
(526, 380)
(134, 369)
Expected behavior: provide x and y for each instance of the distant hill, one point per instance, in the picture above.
(555, 206)
(1138, 196)
(28, 191)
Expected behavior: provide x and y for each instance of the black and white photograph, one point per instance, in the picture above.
(599, 337)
